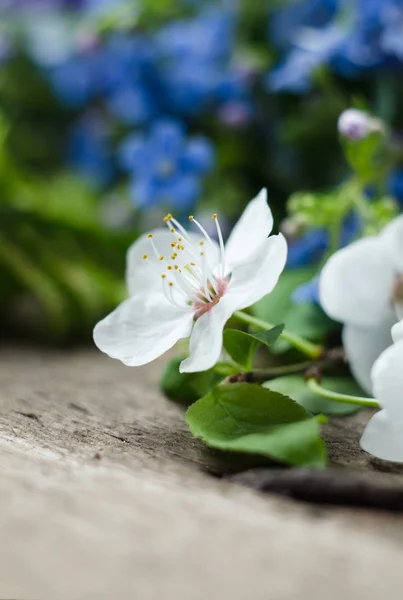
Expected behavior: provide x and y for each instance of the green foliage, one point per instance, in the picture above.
(241, 346)
(186, 388)
(275, 306)
(307, 320)
(126, 14)
(60, 268)
(367, 157)
(251, 419)
(295, 387)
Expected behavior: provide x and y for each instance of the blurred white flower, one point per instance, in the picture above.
(185, 284)
(383, 436)
(361, 286)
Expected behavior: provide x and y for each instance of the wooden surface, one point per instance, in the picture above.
(104, 495)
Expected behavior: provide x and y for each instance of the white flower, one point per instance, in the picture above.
(383, 436)
(185, 284)
(362, 286)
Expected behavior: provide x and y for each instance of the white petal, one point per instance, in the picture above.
(397, 332)
(387, 380)
(383, 437)
(253, 227)
(356, 283)
(141, 329)
(206, 339)
(141, 275)
(363, 346)
(249, 283)
(399, 309)
(392, 236)
(258, 277)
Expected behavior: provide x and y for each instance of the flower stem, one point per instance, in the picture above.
(336, 397)
(228, 368)
(307, 348)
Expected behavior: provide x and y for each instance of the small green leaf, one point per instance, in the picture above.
(249, 418)
(186, 388)
(268, 337)
(241, 346)
(295, 387)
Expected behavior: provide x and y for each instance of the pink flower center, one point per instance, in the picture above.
(204, 305)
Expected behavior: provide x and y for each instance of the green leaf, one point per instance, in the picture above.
(186, 388)
(306, 319)
(295, 387)
(241, 346)
(248, 418)
(268, 337)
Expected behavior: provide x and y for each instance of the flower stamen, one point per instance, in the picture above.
(197, 284)
(221, 241)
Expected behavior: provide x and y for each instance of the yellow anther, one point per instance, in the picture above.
(201, 243)
(163, 276)
(176, 267)
(181, 247)
(201, 253)
(193, 264)
(150, 235)
(214, 216)
(173, 257)
(180, 239)
(175, 254)
(161, 258)
(145, 256)
(169, 268)
(173, 244)
(191, 218)
(172, 230)
(170, 284)
(167, 218)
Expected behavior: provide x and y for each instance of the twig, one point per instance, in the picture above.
(330, 487)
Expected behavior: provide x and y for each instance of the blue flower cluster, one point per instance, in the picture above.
(142, 81)
(165, 166)
(352, 37)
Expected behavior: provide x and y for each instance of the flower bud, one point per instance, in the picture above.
(356, 125)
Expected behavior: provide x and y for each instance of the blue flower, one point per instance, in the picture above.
(351, 38)
(308, 249)
(286, 22)
(195, 59)
(166, 167)
(71, 82)
(206, 38)
(89, 152)
(307, 292)
(121, 71)
(312, 49)
(395, 185)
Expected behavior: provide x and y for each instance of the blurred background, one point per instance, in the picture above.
(113, 112)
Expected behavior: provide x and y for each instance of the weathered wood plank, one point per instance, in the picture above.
(103, 495)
